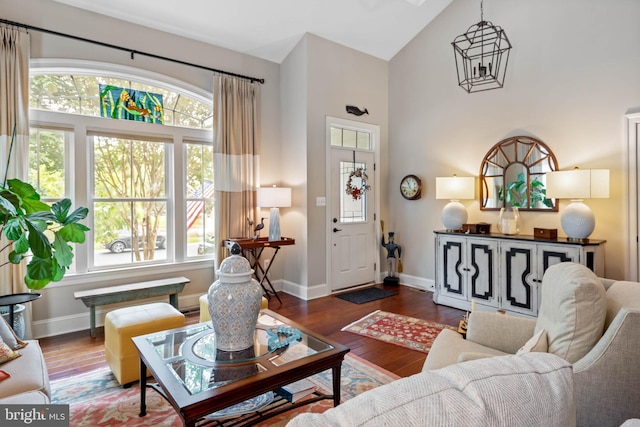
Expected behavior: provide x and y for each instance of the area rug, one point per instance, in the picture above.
(366, 295)
(409, 332)
(96, 399)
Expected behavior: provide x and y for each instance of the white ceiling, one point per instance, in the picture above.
(269, 29)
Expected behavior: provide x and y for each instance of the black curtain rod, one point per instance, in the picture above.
(132, 51)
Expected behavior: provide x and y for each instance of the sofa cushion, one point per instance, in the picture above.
(573, 307)
(537, 343)
(621, 294)
(532, 389)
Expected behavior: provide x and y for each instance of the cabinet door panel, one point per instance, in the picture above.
(452, 284)
(482, 261)
(549, 255)
(520, 288)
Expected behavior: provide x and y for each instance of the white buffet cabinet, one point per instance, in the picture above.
(501, 272)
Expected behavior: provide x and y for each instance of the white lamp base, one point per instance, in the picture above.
(454, 215)
(578, 221)
(274, 225)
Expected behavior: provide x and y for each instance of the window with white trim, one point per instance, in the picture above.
(149, 187)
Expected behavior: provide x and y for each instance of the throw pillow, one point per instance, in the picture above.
(4, 375)
(9, 337)
(573, 307)
(537, 343)
(6, 353)
(621, 294)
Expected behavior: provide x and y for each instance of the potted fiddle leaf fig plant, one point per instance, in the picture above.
(38, 231)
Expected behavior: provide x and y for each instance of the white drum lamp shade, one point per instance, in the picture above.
(455, 189)
(577, 219)
(274, 198)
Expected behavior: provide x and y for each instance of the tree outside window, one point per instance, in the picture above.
(130, 202)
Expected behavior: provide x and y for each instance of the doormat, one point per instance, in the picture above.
(409, 332)
(366, 295)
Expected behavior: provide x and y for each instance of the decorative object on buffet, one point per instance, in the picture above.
(577, 219)
(274, 198)
(234, 303)
(509, 220)
(513, 172)
(481, 54)
(545, 233)
(479, 228)
(455, 188)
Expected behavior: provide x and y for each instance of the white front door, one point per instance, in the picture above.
(352, 223)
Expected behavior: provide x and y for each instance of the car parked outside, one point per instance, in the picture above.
(121, 240)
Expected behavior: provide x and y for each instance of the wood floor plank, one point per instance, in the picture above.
(77, 352)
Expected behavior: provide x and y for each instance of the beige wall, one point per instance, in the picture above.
(572, 76)
(319, 78)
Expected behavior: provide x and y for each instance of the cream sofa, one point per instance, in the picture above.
(29, 381)
(593, 323)
(534, 389)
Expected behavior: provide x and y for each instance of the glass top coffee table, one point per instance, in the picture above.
(198, 380)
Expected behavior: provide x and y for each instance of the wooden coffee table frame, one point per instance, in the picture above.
(193, 407)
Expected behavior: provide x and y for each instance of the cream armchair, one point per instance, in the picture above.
(590, 322)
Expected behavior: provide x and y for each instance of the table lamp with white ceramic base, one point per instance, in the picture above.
(577, 219)
(274, 198)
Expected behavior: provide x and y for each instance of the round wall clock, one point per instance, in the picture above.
(411, 187)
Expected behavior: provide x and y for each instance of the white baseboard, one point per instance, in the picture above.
(305, 292)
(418, 282)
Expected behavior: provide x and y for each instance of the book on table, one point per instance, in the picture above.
(297, 390)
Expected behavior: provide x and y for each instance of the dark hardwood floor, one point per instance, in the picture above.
(77, 352)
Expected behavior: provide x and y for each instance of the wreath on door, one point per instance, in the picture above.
(356, 191)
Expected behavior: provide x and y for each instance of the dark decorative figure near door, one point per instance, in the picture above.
(394, 252)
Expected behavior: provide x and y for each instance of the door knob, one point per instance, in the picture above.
(335, 230)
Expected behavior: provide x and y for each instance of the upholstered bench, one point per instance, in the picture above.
(204, 307)
(125, 323)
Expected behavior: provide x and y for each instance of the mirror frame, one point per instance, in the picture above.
(524, 150)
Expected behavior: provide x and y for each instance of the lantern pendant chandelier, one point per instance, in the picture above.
(481, 56)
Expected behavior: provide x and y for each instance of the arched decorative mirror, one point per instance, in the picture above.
(513, 174)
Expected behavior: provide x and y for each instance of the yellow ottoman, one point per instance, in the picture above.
(204, 307)
(125, 323)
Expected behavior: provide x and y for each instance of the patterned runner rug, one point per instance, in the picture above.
(96, 399)
(409, 332)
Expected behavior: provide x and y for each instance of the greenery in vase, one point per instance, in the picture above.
(38, 231)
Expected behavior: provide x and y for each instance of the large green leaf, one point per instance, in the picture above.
(6, 205)
(77, 215)
(61, 210)
(63, 254)
(39, 268)
(38, 242)
(21, 245)
(73, 233)
(29, 197)
(13, 229)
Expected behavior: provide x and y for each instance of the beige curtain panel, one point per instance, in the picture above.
(14, 112)
(236, 147)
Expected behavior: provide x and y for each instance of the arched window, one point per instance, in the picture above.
(148, 186)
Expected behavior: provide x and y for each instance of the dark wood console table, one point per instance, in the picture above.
(254, 248)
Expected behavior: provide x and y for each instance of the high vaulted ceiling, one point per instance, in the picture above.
(269, 29)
